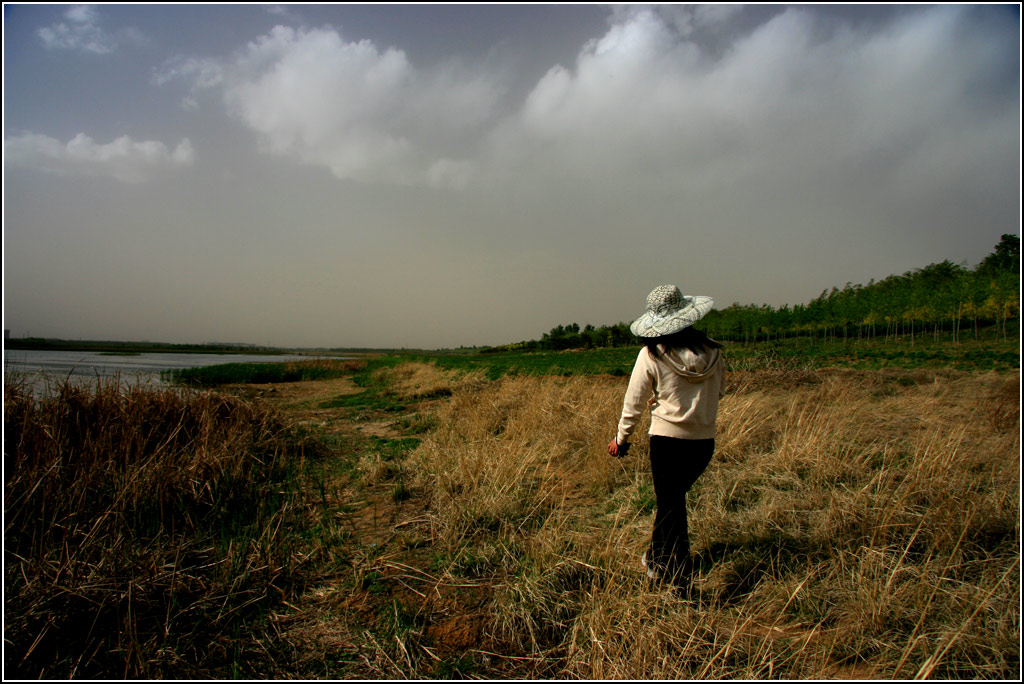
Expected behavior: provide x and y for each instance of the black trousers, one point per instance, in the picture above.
(675, 466)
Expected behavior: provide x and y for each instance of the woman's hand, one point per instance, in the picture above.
(617, 450)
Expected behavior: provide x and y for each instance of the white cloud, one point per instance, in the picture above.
(686, 20)
(284, 12)
(80, 32)
(122, 159)
(364, 113)
(200, 73)
(450, 173)
(82, 14)
(790, 99)
(646, 104)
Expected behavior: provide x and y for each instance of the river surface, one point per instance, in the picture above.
(43, 369)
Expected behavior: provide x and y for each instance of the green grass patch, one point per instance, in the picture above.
(369, 399)
(923, 352)
(615, 361)
(389, 448)
(400, 492)
(260, 373)
(456, 667)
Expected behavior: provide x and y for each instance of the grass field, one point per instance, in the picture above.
(989, 353)
(457, 516)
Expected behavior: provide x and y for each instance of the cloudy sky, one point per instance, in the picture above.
(436, 176)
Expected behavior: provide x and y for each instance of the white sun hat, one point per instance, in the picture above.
(669, 311)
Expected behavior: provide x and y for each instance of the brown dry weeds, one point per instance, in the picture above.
(852, 525)
(849, 520)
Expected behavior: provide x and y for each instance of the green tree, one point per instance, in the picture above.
(1006, 256)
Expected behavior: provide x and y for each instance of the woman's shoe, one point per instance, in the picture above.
(650, 570)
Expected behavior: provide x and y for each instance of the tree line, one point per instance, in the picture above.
(939, 298)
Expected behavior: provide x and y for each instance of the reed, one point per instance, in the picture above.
(143, 530)
(263, 372)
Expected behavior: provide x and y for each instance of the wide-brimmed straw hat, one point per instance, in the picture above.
(669, 311)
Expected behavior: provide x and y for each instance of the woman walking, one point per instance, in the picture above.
(680, 375)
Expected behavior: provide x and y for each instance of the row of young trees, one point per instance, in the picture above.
(573, 337)
(942, 297)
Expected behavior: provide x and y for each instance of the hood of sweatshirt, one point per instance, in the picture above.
(693, 367)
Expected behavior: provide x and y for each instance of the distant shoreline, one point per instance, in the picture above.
(58, 344)
(115, 347)
(132, 347)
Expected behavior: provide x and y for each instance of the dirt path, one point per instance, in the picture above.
(381, 591)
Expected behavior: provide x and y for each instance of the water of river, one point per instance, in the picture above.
(44, 369)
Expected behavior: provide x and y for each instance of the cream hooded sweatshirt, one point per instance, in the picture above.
(686, 388)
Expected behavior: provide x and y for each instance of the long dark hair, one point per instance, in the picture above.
(690, 338)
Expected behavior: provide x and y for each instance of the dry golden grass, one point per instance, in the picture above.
(142, 529)
(507, 454)
(851, 524)
(413, 381)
